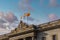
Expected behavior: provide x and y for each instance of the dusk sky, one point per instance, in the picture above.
(41, 11)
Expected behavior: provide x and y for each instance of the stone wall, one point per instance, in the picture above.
(49, 34)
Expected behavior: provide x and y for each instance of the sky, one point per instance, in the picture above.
(41, 11)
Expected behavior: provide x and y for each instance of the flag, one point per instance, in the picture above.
(27, 14)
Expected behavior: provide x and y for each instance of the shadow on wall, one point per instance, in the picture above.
(41, 36)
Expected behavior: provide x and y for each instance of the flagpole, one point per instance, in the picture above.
(21, 21)
(27, 21)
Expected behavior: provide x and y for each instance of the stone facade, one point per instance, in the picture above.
(46, 31)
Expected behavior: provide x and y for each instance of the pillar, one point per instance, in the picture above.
(24, 39)
(32, 38)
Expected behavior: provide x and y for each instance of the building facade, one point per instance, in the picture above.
(46, 31)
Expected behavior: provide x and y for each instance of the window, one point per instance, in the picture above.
(54, 37)
(43, 38)
(29, 38)
(20, 39)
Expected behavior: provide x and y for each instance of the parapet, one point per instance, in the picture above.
(52, 24)
(22, 27)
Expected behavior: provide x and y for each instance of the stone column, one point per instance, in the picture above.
(24, 39)
(32, 38)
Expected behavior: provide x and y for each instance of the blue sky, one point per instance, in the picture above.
(42, 12)
(39, 12)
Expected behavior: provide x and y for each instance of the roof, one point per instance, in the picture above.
(23, 29)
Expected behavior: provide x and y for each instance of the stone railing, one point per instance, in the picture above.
(18, 30)
(30, 27)
(50, 24)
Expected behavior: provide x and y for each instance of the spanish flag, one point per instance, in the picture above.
(27, 14)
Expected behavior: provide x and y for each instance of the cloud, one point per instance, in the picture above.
(6, 22)
(2, 18)
(53, 3)
(1, 14)
(4, 31)
(2, 21)
(10, 17)
(13, 26)
(1, 26)
(52, 17)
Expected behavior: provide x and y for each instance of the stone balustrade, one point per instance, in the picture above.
(21, 29)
